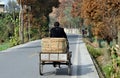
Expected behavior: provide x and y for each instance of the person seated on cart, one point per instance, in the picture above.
(58, 32)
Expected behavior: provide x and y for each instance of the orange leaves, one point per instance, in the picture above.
(96, 9)
(91, 10)
(102, 14)
(76, 9)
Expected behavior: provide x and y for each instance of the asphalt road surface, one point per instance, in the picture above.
(22, 61)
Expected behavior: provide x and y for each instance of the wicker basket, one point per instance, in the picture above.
(54, 45)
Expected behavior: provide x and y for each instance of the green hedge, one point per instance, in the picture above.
(95, 52)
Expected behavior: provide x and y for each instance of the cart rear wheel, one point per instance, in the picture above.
(69, 64)
(69, 68)
(41, 69)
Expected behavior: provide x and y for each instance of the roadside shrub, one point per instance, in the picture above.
(14, 40)
(108, 70)
(4, 46)
(95, 52)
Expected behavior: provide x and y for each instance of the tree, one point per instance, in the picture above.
(62, 14)
(101, 14)
(39, 14)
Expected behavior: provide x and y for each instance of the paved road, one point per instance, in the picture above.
(23, 62)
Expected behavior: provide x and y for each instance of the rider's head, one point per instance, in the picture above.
(56, 24)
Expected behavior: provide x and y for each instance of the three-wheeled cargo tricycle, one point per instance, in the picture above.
(54, 50)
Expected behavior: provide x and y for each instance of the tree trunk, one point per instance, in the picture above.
(21, 27)
(22, 30)
(28, 22)
(27, 32)
(29, 25)
(119, 37)
(40, 31)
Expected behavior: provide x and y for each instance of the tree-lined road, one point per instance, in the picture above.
(23, 61)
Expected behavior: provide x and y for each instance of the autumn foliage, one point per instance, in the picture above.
(37, 11)
(103, 15)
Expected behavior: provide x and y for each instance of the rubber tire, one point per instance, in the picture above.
(69, 68)
(41, 69)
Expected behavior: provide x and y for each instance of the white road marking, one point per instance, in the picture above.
(75, 62)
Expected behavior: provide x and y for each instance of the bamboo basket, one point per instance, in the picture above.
(54, 45)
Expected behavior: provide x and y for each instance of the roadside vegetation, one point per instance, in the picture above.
(4, 46)
(107, 58)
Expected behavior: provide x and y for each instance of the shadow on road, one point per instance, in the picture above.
(83, 69)
(77, 70)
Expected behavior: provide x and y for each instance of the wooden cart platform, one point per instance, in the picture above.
(47, 58)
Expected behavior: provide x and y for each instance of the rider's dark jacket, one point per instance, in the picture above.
(58, 32)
